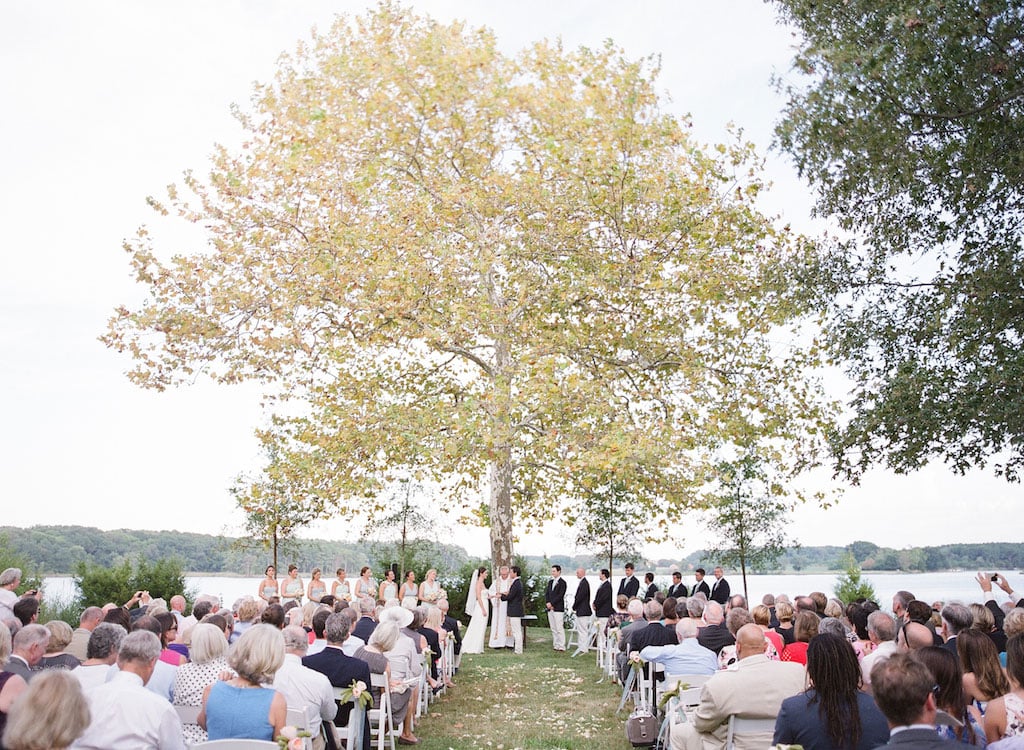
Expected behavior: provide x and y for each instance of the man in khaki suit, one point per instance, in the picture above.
(753, 688)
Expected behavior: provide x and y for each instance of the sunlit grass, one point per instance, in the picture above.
(542, 700)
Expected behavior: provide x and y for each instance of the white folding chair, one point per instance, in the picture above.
(739, 725)
(188, 714)
(381, 723)
(449, 658)
(300, 719)
(237, 745)
(351, 733)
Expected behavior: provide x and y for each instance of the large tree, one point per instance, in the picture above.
(507, 274)
(908, 117)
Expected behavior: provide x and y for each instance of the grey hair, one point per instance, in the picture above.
(9, 576)
(29, 636)
(832, 625)
(653, 610)
(686, 628)
(367, 605)
(139, 646)
(105, 640)
(384, 636)
(336, 628)
(207, 643)
(295, 639)
(884, 626)
(695, 606)
(958, 617)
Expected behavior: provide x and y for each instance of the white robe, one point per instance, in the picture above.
(500, 635)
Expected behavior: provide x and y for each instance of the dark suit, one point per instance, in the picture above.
(715, 637)
(678, 591)
(364, 628)
(652, 591)
(720, 591)
(800, 723)
(452, 626)
(581, 603)
(16, 665)
(555, 594)
(434, 644)
(950, 646)
(342, 670)
(603, 604)
(919, 739)
(514, 599)
(638, 637)
(702, 587)
(629, 586)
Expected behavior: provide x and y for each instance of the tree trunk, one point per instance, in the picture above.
(501, 510)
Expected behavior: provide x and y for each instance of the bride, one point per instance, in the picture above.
(476, 608)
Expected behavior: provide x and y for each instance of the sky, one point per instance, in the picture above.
(105, 103)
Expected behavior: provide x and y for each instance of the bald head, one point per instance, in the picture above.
(916, 635)
(749, 641)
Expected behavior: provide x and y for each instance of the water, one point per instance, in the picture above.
(929, 587)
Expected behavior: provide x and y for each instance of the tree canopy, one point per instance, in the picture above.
(517, 276)
(909, 119)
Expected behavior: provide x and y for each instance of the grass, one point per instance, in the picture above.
(542, 700)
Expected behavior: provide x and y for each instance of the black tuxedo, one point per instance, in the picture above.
(555, 594)
(720, 591)
(452, 626)
(364, 628)
(629, 586)
(581, 603)
(919, 739)
(514, 598)
(715, 637)
(342, 670)
(652, 591)
(702, 587)
(678, 591)
(603, 605)
(652, 634)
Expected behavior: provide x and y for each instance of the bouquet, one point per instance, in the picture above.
(673, 693)
(357, 691)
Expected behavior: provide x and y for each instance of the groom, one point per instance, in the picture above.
(514, 599)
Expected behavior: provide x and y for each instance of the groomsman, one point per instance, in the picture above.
(678, 588)
(603, 605)
(701, 585)
(630, 585)
(554, 600)
(720, 588)
(581, 608)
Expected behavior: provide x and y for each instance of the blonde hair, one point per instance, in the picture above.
(1014, 622)
(5, 643)
(433, 618)
(248, 610)
(258, 654)
(761, 614)
(51, 713)
(60, 636)
(784, 611)
(208, 643)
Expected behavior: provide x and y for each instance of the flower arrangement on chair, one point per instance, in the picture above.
(292, 738)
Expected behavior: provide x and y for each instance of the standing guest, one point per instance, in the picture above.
(956, 618)
(554, 602)
(701, 586)
(720, 588)
(735, 619)
(882, 635)
(101, 654)
(833, 712)
(125, 715)
(209, 651)
(650, 587)
(1004, 716)
(340, 588)
(29, 645)
(900, 600)
(903, 690)
(303, 688)
(949, 696)
(983, 677)
(365, 585)
(629, 585)
(268, 586)
(388, 588)
(604, 605)
(50, 715)
(430, 589)
(804, 630)
(11, 685)
(583, 612)
(178, 605)
(241, 708)
(410, 591)
(90, 618)
(291, 586)
(514, 600)
(678, 588)
(10, 579)
(168, 634)
(317, 588)
(56, 657)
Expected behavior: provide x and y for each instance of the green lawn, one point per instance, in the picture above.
(538, 701)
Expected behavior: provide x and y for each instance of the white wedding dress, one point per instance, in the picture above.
(473, 640)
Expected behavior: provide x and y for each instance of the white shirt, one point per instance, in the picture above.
(882, 651)
(93, 675)
(162, 681)
(126, 716)
(350, 646)
(316, 646)
(7, 601)
(304, 687)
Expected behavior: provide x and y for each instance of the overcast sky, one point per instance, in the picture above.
(105, 103)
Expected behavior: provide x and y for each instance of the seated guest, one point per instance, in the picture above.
(209, 651)
(319, 622)
(983, 677)
(50, 715)
(754, 688)
(735, 619)
(450, 624)
(882, 634)
(340, 668)
(241, 708)
(248, 613)
(365, 625)
(1004, 716)
(168, 634)
(29, 645)
(620, 615)
(715, 634)
(56, 657)
(273, 615)
(161, 681)
(405, 669)
(950, 697)
(805, 628)
(686, 657)
(376, 655)
(833, 712)
(903, 690)
(303, 688)
(125, 715)
(762, 618)
(784, 613)
(101, 655)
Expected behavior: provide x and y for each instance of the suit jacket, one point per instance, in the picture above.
(514, 598)
(753, 689)
(652, 591)
(629, 586)
(678, 591)
(364, 628)
(603, 605)
(654, 634)
(452, 626)
(555, 594)
(581, 603)
(919, 739)
(720, 591)
(715, 637)
(16, 665)
(800, 723)
(342, 670)
(702, 586)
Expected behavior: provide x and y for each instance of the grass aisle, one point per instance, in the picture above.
(541, 700)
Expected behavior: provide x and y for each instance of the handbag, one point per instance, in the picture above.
(642, 728)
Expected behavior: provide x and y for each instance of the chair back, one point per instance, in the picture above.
(381, 724)
(739, 725)
(300, 719)
(236, 745)
(188, 714)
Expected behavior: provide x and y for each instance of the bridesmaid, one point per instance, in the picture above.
(317, 588)
(366, 586)
(291, 587)
(340, 588)
(430, 589)
(268, 586)
(388, 587)
(409, 593)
